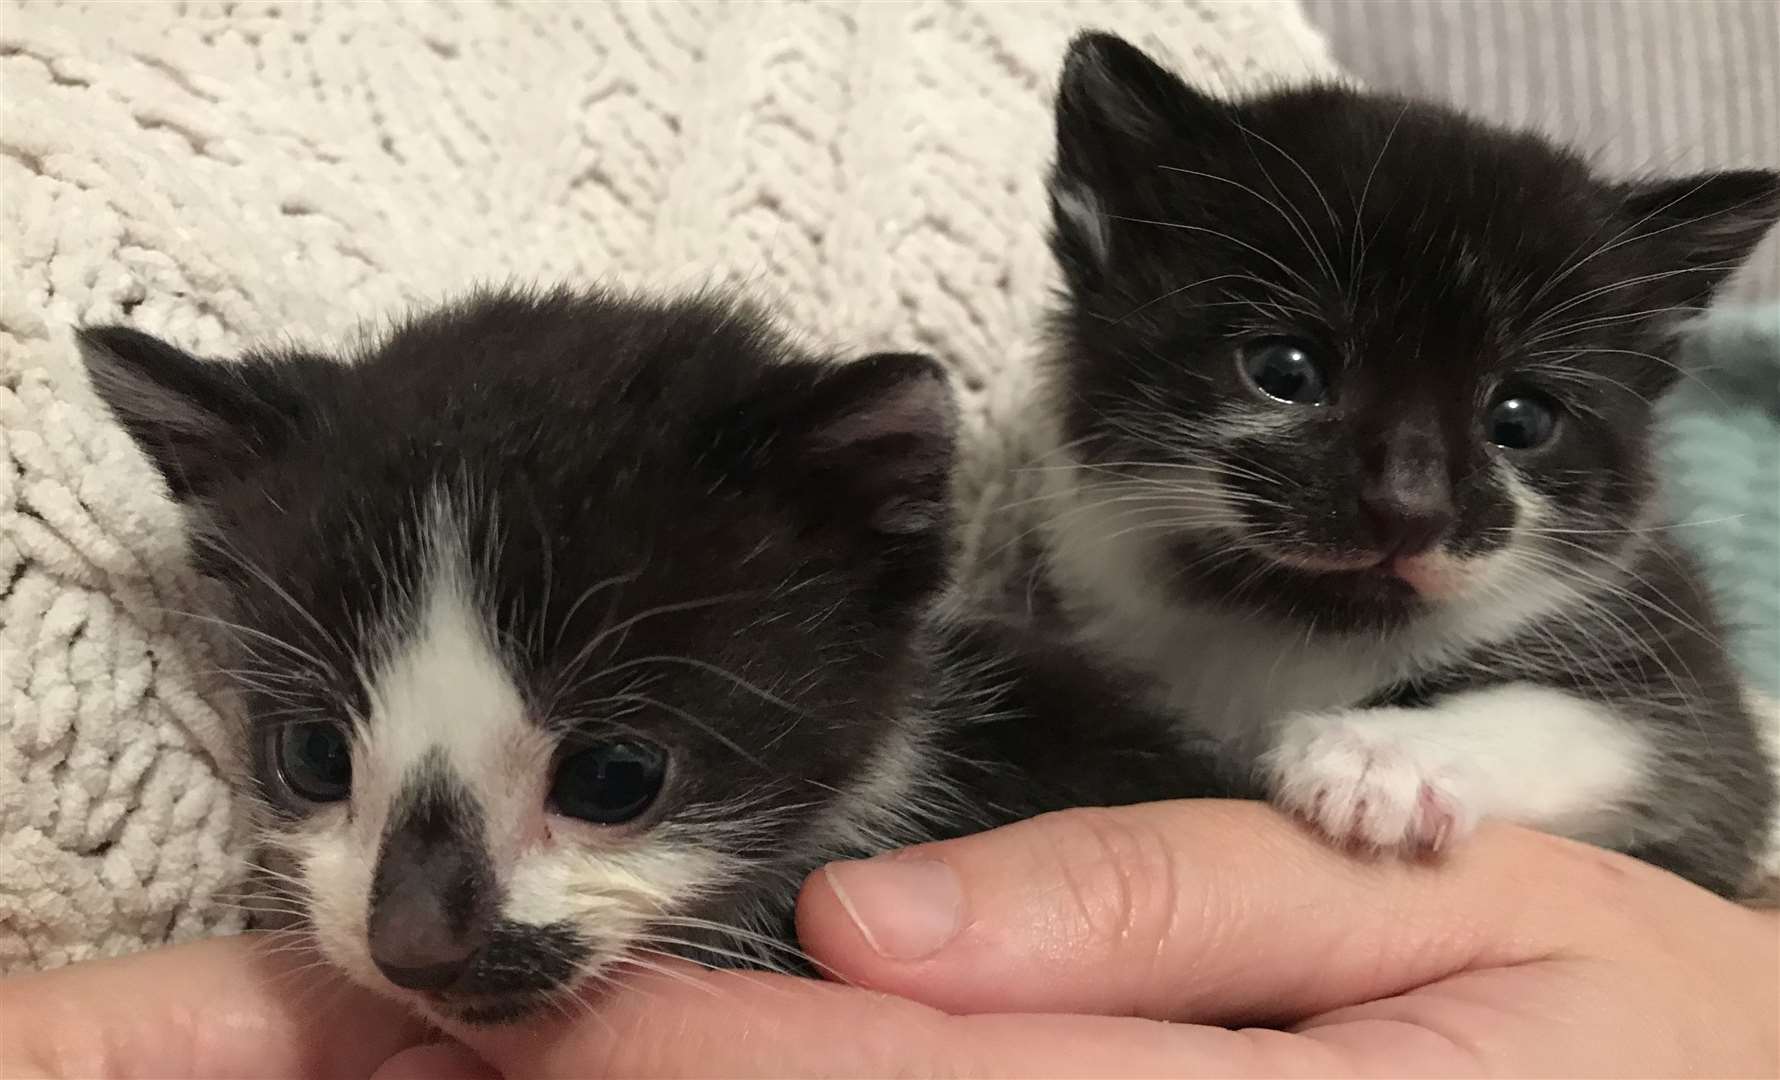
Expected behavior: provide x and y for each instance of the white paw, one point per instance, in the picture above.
(1367, 780)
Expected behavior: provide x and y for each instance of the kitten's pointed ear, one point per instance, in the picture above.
(1116, 108)
(879, 435)
(862, 453)
(1704, 225)
(198, 421)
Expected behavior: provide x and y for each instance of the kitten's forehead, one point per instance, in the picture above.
(441, 698)
(1380, 210)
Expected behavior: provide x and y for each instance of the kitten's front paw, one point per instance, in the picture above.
(1365, 782)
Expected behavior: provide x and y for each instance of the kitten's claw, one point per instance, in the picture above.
(1368, 787)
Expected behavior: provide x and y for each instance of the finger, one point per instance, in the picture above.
(731, 1024)
(1214, 912)
(436, 1061)
(231, 1007)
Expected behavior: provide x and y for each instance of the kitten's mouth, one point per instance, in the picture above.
(1425, 574)
(1320, 563)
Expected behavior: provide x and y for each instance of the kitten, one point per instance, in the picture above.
(1352, 406)
(579, 628)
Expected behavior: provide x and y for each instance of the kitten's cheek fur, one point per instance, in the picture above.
(337, 872)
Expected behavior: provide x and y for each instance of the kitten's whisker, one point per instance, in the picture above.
(1636, 233)
(1238, 241)
(1169, 295)
(295, 651)
(1315, 187)
(1551, 313)
(1306, 238)
(1599, 321)
(1358, 248)
(573, 669)
(587, 594)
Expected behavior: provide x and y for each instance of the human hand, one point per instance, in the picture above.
(1131, 942)
(233, 1007)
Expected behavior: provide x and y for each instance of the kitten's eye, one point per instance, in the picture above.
(315, 760)
(1521, 422)
(1285, 370)
(608, 783)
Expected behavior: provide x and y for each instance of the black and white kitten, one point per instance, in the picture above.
(578, 628)
(1352, 399)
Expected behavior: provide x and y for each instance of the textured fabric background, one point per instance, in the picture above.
(1644, 85)
(1722, 454)
(225, 172)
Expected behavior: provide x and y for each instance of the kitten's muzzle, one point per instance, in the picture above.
(417, 946)
(433, 899)
(1407, 502)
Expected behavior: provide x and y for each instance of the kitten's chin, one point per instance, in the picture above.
(489, 1012)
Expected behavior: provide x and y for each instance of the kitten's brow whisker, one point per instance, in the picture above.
(1169, 295)
(259, 635)
(572, 670)
(1551, 313)
(1238, 241)
(710, 669)
(229, 551)
(1635, 232)
(589, 593)
(1606, 320)
(1311, 244)
(1564, 371)
(1292, 160)
(1357, 249)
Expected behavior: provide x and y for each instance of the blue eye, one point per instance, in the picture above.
(1521, 422)
(1285, 370)
(315, 760)
(609, 782)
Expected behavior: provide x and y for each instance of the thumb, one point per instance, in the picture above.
(1203, 911)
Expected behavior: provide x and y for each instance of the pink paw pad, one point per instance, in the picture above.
(1367, 793)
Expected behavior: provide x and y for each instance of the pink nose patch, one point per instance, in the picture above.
(1431, 573)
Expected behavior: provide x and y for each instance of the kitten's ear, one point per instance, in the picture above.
(1704, 225)
(1116, 109)
(878, 436)
(885, 426)
(863, 452)
(198, 421)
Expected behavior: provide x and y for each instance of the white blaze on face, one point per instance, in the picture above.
(447, 691)
(443, 689)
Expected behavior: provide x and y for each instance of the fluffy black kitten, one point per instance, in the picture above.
(1353, 405)
(580, 627)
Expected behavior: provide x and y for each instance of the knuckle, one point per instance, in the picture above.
(1118, 879)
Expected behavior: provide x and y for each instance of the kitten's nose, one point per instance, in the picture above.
(415, 944)
(1408, 519)
(1406, 499)
(433, 896)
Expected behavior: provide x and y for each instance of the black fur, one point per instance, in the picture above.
(1437, 265)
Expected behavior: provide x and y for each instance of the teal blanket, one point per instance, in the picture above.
(1721, 461)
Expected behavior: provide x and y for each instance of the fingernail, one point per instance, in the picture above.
(436, 1061)
(906, 909)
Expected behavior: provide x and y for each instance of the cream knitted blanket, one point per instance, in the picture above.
(220, 173)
